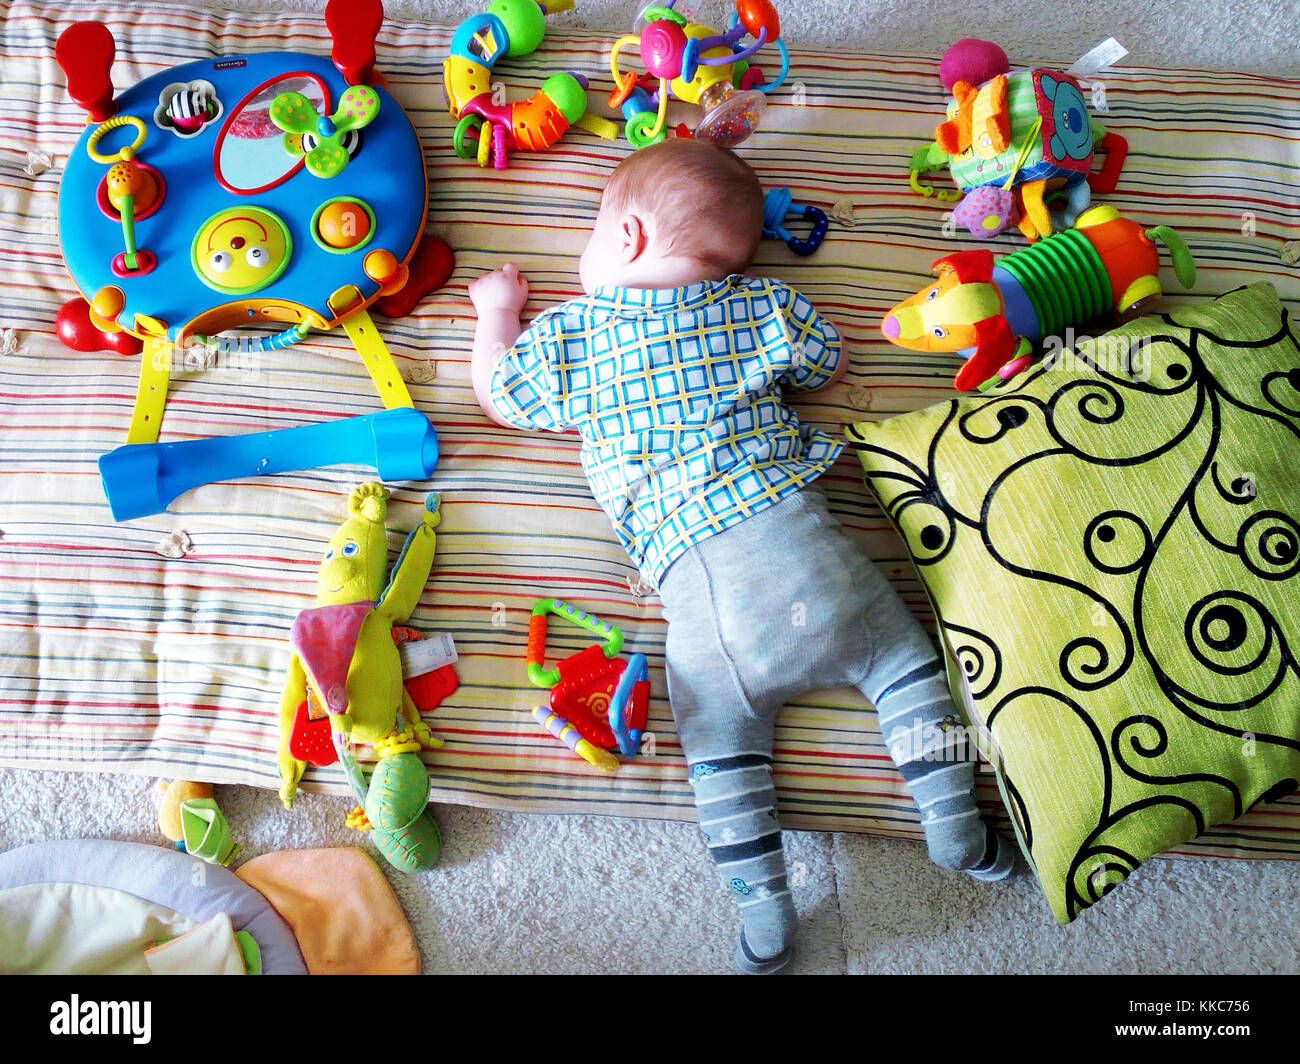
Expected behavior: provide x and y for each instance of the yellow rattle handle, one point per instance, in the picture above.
(116, 122)
(630, 38)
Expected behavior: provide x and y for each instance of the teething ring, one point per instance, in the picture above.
(659, 12)
(536, 652)
(462, 150)
(116, 122)
(623, 88)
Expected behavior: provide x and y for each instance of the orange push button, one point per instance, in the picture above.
(344, 223)
(381, 265)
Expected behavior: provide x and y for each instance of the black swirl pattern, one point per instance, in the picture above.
(1112, 544)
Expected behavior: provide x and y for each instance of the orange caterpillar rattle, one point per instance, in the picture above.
(488, 131)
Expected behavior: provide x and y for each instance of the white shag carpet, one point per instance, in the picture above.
(1250, 35)
(591, 894)
(586, 894)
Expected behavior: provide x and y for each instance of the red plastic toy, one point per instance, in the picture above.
(592, 689)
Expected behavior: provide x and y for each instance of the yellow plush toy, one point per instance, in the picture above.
(345, 662)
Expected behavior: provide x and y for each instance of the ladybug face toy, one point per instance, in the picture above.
(242, 249)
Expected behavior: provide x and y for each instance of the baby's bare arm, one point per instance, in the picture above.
(499, 299)
(841, 371)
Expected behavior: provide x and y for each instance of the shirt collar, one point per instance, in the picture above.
(634, 301)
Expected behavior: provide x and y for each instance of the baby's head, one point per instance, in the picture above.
(674, 213)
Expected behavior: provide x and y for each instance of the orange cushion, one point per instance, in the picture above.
(344, 914)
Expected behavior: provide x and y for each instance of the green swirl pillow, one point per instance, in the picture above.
(1111, 542)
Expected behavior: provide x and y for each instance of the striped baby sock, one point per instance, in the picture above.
(737, 807)
(928, 743)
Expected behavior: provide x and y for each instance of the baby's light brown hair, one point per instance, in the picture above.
(706, 201)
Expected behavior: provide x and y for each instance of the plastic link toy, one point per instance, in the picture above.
(698, 65)
(488, 131)
(997, 311)
(598, 701)
(271, 188)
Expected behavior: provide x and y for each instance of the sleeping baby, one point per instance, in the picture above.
(673, 368)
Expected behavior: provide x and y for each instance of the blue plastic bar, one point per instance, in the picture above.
(141, 479)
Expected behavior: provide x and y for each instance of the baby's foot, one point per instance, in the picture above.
(966, 842)
(747, 962)
(999, 858)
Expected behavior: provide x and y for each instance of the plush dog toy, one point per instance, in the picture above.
(997, 311)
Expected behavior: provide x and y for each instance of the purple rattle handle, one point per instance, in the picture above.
(735, 57)
(499, 150)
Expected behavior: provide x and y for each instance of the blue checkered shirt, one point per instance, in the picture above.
(677, 396)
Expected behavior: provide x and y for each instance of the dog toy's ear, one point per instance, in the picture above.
(994, 345)
(970, 266)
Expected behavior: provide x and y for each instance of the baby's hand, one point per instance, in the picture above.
(505, 289)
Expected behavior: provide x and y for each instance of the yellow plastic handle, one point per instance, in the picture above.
(116, 122)
(618, 46)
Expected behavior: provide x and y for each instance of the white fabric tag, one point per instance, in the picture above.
(1104, 56)
(424, 655)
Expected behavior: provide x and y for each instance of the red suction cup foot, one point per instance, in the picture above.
(74, 329)
(354, 25)
(430, 267)
(85, 52)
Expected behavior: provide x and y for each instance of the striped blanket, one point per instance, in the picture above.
(158, 646)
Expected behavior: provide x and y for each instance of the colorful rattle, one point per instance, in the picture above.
(487, 131)
(345, 681)
(996, 313)
(698, 65)
(1014, 141)
(598, 701)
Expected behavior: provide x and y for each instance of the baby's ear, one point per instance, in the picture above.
(369, 500)
(633, 237)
